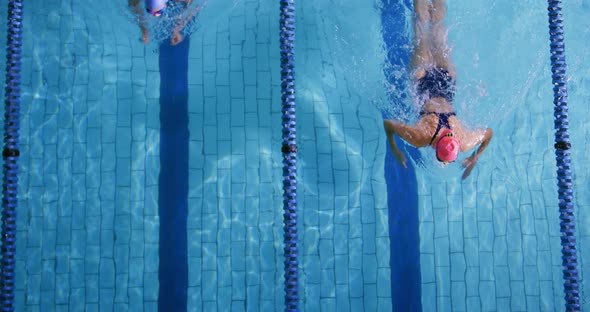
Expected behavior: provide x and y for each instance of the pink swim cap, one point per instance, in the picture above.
(447, 148)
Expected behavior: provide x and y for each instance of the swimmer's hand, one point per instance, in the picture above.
(401, 158)
(176, 38)
(390, 126)
(469, 164)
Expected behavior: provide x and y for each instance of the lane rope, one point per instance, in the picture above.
(562, 153)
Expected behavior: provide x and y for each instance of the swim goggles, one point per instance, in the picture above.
(156, 13)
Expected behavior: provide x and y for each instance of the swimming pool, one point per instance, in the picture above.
(90, 224)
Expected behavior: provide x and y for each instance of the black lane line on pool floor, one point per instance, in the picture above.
(402, 189)
(173, 183)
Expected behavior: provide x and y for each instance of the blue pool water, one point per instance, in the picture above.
(121, 208)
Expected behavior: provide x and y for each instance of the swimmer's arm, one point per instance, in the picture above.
(411, 134)
(134, 5)
(477, 137)
(471, 139)
(188, 17)
(136, 8)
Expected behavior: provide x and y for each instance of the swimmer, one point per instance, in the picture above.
(157, 8)
(434, 78)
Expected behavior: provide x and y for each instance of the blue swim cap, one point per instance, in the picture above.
(155, 4)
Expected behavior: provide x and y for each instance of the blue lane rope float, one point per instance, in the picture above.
(562, 153)
(289, 151)
(10, 153)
